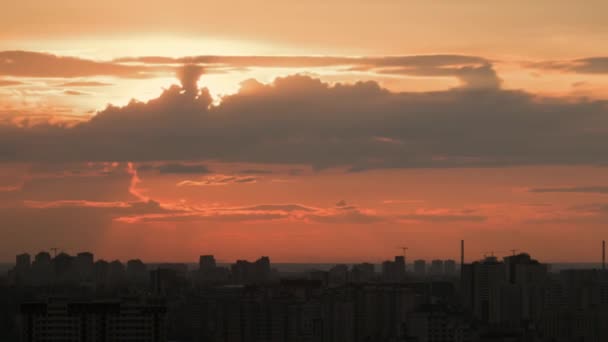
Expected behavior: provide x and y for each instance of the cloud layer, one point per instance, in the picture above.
(301, 120)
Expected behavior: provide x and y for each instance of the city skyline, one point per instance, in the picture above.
(411, 260)
(325, 131)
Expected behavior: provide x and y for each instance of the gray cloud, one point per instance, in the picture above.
(352, 216)
(277, 207)
(472, 71)
(188, 76)
(442, 218)
(176, 168)
(591, 65)
(301, 120)
(37, 64)
(255, 172)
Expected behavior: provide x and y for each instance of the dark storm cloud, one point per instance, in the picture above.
(599, 189)
(301, 120)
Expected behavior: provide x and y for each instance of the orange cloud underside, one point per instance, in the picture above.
(325, 216)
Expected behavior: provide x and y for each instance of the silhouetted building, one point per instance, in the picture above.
(322, 276)
(438, 323)
(479, 280)
(117, 273)
(449, 267)
(102, 270)
(436, 267)
(209, 273)
(22, 268)
(84, 321)
(64, 270)
(394, 271)
(206, 263)
(42, 271)
(165, 280)
(137, 271)
(362, 272)
(367, 312)
(245, 272)
(338, 275)
(513, 300)
(420, 268)
(85, 266)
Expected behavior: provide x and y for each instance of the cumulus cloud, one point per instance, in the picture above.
(188, 76)
(301, 120)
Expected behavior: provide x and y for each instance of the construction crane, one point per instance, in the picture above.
(404, 250)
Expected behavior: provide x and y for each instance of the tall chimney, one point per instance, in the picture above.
(461, 256)
(603, 255)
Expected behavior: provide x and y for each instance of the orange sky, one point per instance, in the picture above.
(328, 130)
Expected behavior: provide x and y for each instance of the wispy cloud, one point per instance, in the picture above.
(594, 189)
(219, 180)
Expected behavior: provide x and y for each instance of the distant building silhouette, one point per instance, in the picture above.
(245, 272)
(361, 273)
(85, 266)
(420, 268)
(137, 271)
(394, 271)
(436, 267)
(449, 267)
(22, 267)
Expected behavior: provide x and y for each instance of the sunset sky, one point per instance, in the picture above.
(309, 131)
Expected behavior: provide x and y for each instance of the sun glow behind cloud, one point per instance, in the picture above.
(110, 47)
